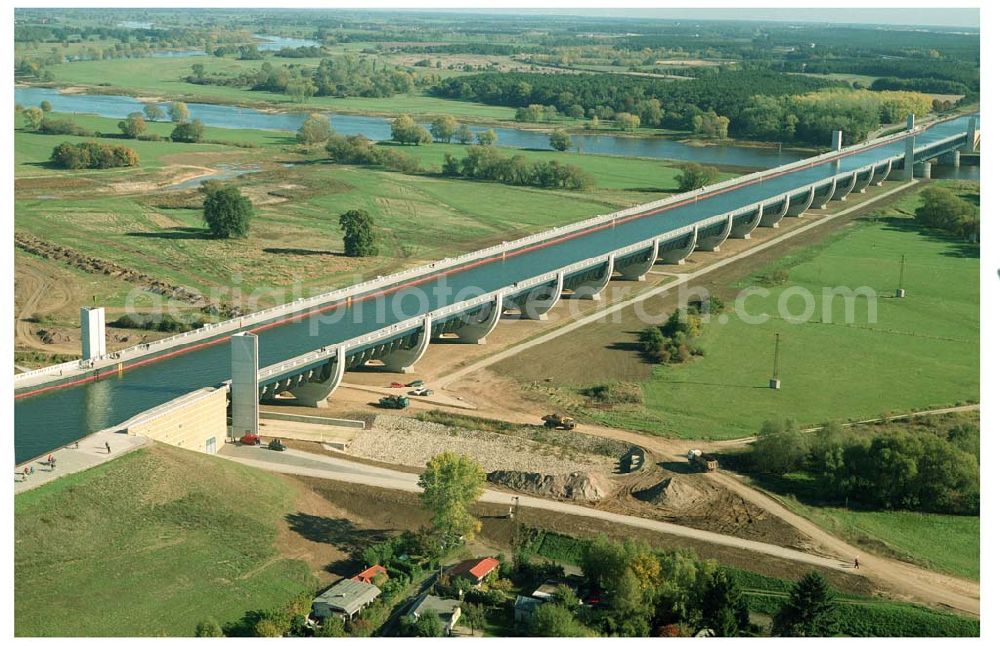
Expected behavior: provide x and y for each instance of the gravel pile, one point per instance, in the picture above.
(403, 440)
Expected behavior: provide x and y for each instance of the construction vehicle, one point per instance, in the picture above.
(394, 401)
(276, 445)
(702, 460)
(555, 420)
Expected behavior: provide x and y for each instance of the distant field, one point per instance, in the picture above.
(130, 217)
(861, 79)
(140, 547)
(921, 352)
(163, 77)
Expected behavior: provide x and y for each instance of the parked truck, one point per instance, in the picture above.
(702, 460)
(394, 401)
(556, 420)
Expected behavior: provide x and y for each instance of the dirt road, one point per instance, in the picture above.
(332, 468)
(41, 295)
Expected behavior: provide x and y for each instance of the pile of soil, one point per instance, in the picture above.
(671, 493)
(583, 486)
(53, 336)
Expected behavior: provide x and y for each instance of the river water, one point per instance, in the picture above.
(377, 128)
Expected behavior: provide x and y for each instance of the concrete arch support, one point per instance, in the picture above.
(864, 180)
(477, 328)
(797, 207)
(712, 241)
(772, 215)
(535, 305)
(403, 359)
(637, 270)
(591, 289)
(315, 393)
(841, 191)
(882, 175)
(674, 254)
(824, 195)
(743, 225)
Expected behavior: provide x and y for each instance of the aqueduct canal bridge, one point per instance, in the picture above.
(306, 346)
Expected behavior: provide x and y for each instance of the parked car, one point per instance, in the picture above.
(396, 384)
(422, 392)
(250, 439)
(417, 383)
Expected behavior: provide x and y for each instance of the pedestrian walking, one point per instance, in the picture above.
(857, 563)
(108, 447)
(77, 445)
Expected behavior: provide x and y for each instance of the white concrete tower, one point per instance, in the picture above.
(244, 392)
(92, 334)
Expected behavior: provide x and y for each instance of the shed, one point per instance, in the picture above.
(446, 610)
(476, 569)
(524, 608)
(369, 575)
(344, 599)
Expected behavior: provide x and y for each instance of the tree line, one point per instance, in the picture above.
(910, 469)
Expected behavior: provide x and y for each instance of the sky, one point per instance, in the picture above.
(952, 17)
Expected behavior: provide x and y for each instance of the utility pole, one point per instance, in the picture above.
(775, 383)
(900, 292)
(515, 536)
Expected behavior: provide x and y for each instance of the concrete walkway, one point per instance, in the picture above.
(70, 459)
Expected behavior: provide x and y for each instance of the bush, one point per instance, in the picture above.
(93, 155)
(208, 628)
(188, 132)
(695, 176)
(64, 127)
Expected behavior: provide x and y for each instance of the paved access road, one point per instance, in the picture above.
(44, 421)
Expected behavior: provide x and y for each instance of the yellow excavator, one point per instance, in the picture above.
(555, 420)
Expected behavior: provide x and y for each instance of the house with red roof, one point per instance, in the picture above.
(367, 576)
(476, 570)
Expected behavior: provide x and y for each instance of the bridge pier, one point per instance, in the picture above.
(476, 331)
(713, 241)
(403, 359)
(92, 336)
(638, 270)
(864, 180)
(881, 176)
(820, 200)
(674, 253)
(771, 216)
(315, 393)
(952, 159)
(591, 289)
(842, 192)
(536, 304)
(796, 210)
(744, 225)
(922, 170)
(244, 393)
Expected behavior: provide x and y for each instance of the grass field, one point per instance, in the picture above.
(163, 77)
(131, 217)
(937, 541)
(139, 547)
(916, 353)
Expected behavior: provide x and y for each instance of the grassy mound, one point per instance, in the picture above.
(150, 544)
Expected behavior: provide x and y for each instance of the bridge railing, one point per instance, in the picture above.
(359, 289)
